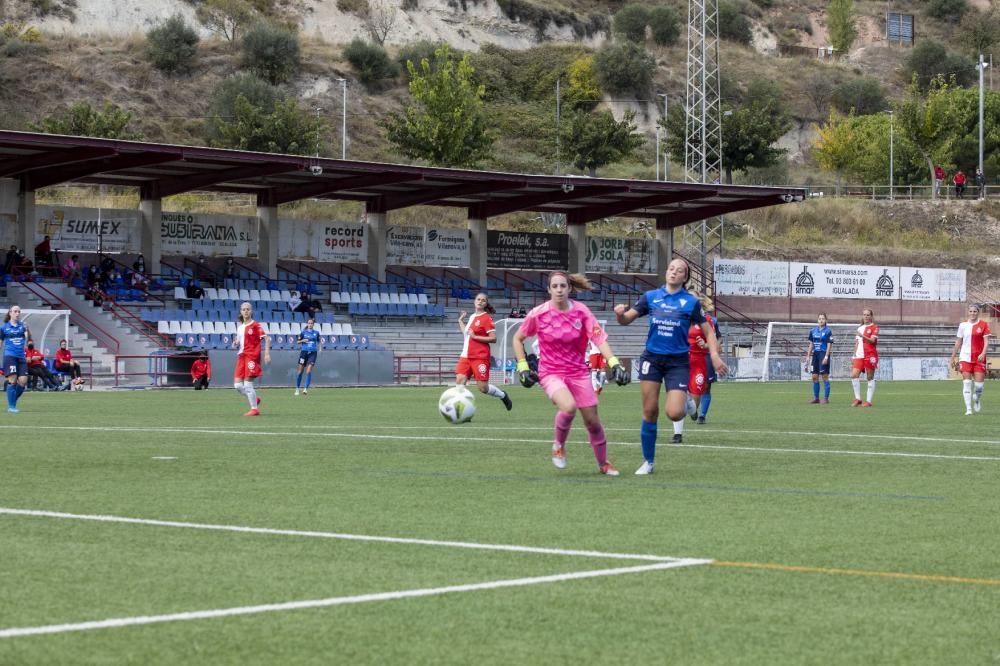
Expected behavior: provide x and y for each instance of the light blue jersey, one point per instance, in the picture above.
(310, 338)
(670, 318)
(14, 339)
(821, 338)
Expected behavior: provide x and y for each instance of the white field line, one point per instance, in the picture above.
(113, 623)
(336, 535)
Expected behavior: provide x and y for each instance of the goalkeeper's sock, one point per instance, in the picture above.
(706, 400)
(967, 393)
(871, 390)
(495, 391)
(251, 394)
(826, 390)
(598, 442)
(647, 436)
(815, 390)
(563, 423)
(856, 385)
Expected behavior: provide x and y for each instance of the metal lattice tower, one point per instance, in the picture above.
(703, 127)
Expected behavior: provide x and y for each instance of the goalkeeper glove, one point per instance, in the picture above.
(526, 375)
(618, 372)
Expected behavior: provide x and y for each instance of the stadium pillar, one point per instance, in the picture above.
(664, 247)
(577, 247)
(26, 222)
(150, 239)
(376, 244)
(477, 251)
(267, 252)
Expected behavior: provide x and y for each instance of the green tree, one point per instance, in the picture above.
(840, 23)
(597, 139)
(226, 18)
(110, 122)
(836, 147)
(625, 69)
(863, 96)
(287, 129)
(172, 47)
(665, 25)
(979, 31)
(947, 10)
(630, 22)
(222, 107)
(749, 135)
(271, 52)
(446, 122)
(929, 59)
(733, 25)
(930, 122)
(583, 90)
(373, 64)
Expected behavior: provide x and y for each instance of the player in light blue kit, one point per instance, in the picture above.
(818, 358)
(15, 337)
(672, 310)
(309, 339)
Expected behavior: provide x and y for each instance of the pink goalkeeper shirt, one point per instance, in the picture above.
(562, 338)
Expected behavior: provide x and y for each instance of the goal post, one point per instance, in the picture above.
(783, 349)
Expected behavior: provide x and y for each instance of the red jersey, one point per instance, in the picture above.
(973, 336)
(249, 337)
(201, 367)
(695, 333)
(63, 356)
(35, 357)
(478, 324)
(863, 348)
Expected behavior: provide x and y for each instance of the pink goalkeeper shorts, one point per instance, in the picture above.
(580, 388)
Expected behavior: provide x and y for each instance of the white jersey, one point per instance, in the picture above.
(973, 342)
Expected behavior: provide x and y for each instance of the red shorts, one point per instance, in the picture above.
(596, 362)
(867, 363)
(247, 367)
(478, 369)
(698, 374)
(971, 368)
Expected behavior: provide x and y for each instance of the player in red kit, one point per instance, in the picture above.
(479, 333)
(250, 335)
(865, 357)
(970, 347)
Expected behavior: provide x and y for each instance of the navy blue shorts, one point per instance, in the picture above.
(671, 369)
(818, 367)
(307, 358)
(15, 367)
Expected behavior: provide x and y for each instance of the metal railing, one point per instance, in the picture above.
(433, 370)
(900, 192)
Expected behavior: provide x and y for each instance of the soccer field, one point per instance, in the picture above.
(356, 526)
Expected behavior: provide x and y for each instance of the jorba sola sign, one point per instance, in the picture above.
(619, 255)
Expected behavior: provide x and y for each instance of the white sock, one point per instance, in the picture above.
(856, 384)
(495, 391)
(967, 393)
(979, 391)
(239, 388)
(251, 394)
(871, 389)
(679, 427)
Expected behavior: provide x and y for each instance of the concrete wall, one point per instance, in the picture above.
(847, 310)
(333, 368)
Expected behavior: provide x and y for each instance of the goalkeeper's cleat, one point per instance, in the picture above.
(856, 403)
(559, 456)
(646, 468)
(608, 469)
(507, 402)
(678, 438)
(253, 412)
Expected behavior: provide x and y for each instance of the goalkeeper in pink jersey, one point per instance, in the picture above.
(564, 328)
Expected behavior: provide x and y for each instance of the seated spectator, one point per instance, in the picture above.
(72, 269)
(93, 276)
(138, 281)
(67, 365)
(295, 303)
(38, 370)
(96, 294)
(230, 270)
(139, 265)
(201, 372)
(194, 289)
(11, 260)
(44, 255)
(513, 313)
(23, 265)
(522, 313)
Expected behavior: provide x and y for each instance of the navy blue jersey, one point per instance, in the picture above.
(670, 317)
(310, 338)
(14, 338)
(821, 338)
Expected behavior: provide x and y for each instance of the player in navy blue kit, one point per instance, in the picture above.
(818, 358)
(15, 338)
(309, 339)
(671, 310)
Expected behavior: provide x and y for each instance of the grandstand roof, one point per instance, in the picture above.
(160, 170)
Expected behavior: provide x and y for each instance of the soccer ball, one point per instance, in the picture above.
(457, 405)
(77, 385)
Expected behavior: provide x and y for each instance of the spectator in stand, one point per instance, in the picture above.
(230, 270)
(72, 269)
(514, 314)
(959, 180)
(24, 265)
(139, 265)
(67, 365)
(980, 183)
(38, 370)
(295, 303)
(194, 289)
(522, 313)
(138, 281)
(11, 260)
(45, 255)
(939, 175)
(93, 276)
(201, 372)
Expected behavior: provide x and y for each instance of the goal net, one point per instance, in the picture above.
(781, 350)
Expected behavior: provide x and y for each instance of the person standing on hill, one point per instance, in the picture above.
(865, 358)
(970, 348)
(959, 181)
(818, 358)
(980, 183)
(938, 180)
